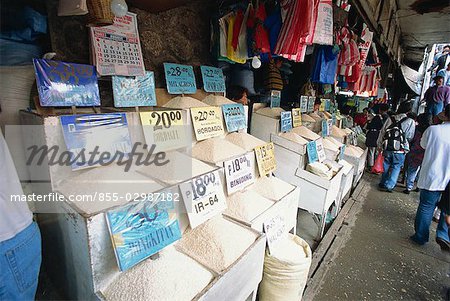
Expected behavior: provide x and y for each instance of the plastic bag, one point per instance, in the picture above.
(378, 166)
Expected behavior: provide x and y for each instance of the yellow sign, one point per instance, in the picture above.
(265, 158)
(164, 129)
(322, 105)
(207, 122)
(296, 118)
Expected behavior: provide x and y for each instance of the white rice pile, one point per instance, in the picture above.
(246, 205)
(305, 133)
(315, 116)
(353, 151)
(348, 131)
(334, 141)
(184, 102)
(337, 132)
(294, 138)
(244, 140)
(330, 145)
(320, 169)
(307, 118)
(106, 179)
(271, 188)
(333, 165)
(173, 276)
(215, 150)
(216, 243)
(270, 112)
(217, 100)
(288, 250)
(179, 169)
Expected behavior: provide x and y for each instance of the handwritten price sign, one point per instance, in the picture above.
(207, 122)
(213, 80)
(265, 158)
(180, 79)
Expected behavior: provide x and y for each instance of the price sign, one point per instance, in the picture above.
(203, 197)
(303, 104)
(275, 229)
(240, 172)
(180, 79)
(207, 122)
(330, 125)
(213, 80)
(296, 118)
(327, 104)
(311, 101)
(164, 129)
(234, 115)
(286, 121)
(333, 118)
(342, 152)
(265, 158)
(142, 229)
(311, 150)
(320, 150)
(325, 128)
(138, 91)
(275, 98)
(322, 105)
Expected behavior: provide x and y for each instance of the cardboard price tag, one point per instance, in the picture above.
(207, 122)
(296, 118)
(325, 128)
(320, 150)
(311, 101)
(213, 80)
(180, 79)
(322, 105)
(303, 104)
(164, 129)
(311, 151)
(240, 172)
(286, 121)
(234, 115)
(342, 152)
(327, 104)
(265, 158)
(203, 197)
(275, 229)
(275, 98)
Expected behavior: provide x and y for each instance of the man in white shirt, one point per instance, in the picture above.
(434, 177)
(20, 239)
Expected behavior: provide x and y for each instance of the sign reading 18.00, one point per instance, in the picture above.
(203, 197)
(180, 79)
(239, 172)
(213, 80)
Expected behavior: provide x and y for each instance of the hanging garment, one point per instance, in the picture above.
(325, 65)
(231, 53)
(242, 51)
(261, 36)
(223, 40)
(272, 79)
(349, 54)
(323, 32)
(368, 79)
(273, 23)
(237, 29)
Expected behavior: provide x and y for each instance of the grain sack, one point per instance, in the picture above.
(333, 165)
(244, 140)
(246, 205)
(270, 112)
(271, 188)
(305, 133)
(286, 271)
(184, 102)
(173, 276)
(215, 150)
(320, 170)
(294, 138)
(217, 100)
(217, 243)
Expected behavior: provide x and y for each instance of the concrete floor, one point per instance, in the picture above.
(371, 256)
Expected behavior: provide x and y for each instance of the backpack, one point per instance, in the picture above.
(394, 137)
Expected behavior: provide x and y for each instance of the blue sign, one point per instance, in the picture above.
(63, 85)
(213, 80)
(275, 98)
(333, 118)
(311, 150)
(325, 129)
(342, 152)
(234, 115)
(286, 121)
(138, 91)
(105, 135)
(180, 79)
(311, 101)
(327, 104)
(141, 229)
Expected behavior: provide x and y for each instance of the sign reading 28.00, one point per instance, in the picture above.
(180, 79)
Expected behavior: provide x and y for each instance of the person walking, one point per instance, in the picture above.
(395, 136)
(442, 60)
(20, 239)
(445, 73)
(437, 97)
(373, 131)
(415, 156)
(433, 179)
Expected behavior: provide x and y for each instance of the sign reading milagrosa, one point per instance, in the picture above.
(208, 122)
(265, 158)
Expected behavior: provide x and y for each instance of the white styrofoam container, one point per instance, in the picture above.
(346, 183)
(358, 163)
(262, 126)
(288, 153)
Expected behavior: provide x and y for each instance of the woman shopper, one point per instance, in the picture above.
(373, 131)
(394, 139)
(415, 155)
(433, 179)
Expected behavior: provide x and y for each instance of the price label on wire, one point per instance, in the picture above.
(203, 197)
(275, 98)
(213, 80)
(240, 172)
(311, 150)
(164, 129)
(320, 150)
(207, 122)
(265, 158)
(303, 104)
(180, 79)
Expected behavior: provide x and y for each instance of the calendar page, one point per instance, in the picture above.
(116, 49)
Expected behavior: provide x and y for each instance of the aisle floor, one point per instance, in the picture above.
(371, 256)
